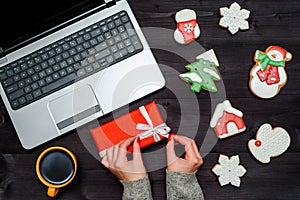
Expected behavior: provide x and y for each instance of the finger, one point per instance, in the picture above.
(124, 146)
(171, 155)
(104, 161)
(109, 154)
(115, 153)
(188, 146)
(137, 155)
(197, 151)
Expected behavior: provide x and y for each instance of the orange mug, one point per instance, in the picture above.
(56, 167)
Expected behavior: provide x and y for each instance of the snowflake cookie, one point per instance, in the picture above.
(229, 170)
(234, 18)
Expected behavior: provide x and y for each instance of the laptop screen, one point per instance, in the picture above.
(21, 20)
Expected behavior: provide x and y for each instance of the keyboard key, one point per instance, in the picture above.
(37, 93)
(15, 104)
(102, 54)
(59, 83)
(22, 100)
(101, 46)
(29, 97)
(12, 88)
(95, 32)
(16, 95)
(8, 82)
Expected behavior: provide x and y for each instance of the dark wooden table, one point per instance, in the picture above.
(271, 23)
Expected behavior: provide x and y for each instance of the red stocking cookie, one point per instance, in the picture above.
(187, 27)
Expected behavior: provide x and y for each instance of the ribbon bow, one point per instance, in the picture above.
(149, 129)
(265, 60)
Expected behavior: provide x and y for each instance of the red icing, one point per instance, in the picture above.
(188, 35)
(270, 75)
(221, 127)
(258, 143)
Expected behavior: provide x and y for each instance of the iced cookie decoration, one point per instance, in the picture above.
(227, 121)
(229, 170)
(234, 18)
(203, 72)
(269, 143)
(187, 28)
(268, 75)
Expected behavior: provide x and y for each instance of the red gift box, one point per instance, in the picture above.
(145, 123)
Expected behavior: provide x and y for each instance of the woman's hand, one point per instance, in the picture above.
(116, 161)
(192, 160)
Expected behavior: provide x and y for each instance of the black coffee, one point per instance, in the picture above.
(57, 167)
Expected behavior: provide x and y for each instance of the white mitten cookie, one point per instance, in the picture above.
(269, 143)
(187, 27)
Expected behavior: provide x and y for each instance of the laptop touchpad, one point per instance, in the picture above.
(74, 106)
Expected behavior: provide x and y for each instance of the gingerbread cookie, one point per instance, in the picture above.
(227, 121)
(234, 18)
(269, 143)
(203, 72)
(229, 170)
(187, 28)
(268, 75)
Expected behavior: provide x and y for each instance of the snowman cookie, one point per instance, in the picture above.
(187, 28)
(269, 143)
(268, 75)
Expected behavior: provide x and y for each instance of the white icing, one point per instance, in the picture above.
(220, 109)
(229, 170)
(193, 76)
(212, 73)
(178, 37)
(185, 15)
(288, 56)
(232, 128)
(262, 89)
(275, 55)
(196, 31)
(210, 56)
(274, 142)
(234, 18)
(233, 133)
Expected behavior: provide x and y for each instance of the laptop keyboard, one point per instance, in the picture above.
(70, 59)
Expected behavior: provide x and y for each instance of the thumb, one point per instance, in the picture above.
(171, 155)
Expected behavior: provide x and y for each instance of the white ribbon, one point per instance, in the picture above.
(149, 129)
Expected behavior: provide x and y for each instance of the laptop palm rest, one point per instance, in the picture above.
(74, 106)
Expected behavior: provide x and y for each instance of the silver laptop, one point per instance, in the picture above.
(65, 63)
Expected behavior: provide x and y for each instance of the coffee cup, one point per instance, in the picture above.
(56, 167)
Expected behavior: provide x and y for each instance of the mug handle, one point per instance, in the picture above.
(52, 192)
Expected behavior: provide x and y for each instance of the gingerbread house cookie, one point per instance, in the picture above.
(227, 121)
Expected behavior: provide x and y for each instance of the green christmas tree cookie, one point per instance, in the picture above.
(202, 74)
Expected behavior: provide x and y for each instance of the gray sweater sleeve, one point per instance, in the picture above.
(183, 186)
(137, 190)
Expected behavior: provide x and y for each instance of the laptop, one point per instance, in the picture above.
(66, 63)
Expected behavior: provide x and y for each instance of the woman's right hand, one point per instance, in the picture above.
(116, 161)
(192, 160)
